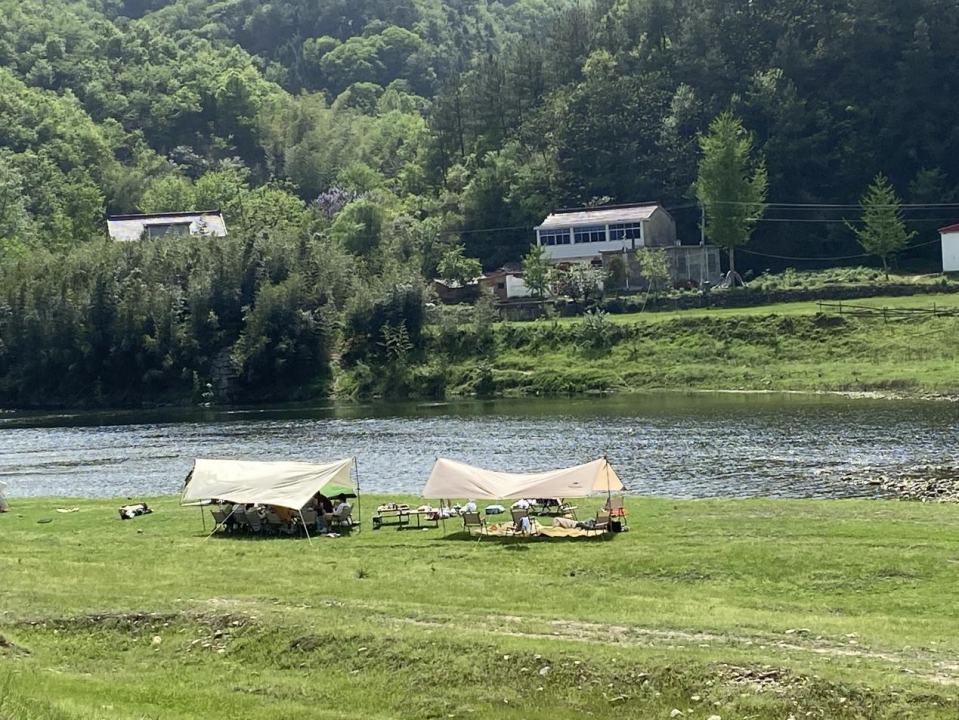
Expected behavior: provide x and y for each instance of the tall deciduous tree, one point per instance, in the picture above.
(654, 267)
(883, 231)
(536, 271)
(731, 185)
(456, 268)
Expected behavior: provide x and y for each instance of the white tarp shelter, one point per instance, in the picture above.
(285, 484)
(451, 479)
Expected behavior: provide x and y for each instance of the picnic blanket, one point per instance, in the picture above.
(506, 530)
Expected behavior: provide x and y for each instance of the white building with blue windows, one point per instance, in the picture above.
(589, 234)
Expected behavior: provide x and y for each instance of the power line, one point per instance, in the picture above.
(856, 206)
(839, 221)
(821, 259)
(479, 230)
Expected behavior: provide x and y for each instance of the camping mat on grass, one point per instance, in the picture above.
(506, 530)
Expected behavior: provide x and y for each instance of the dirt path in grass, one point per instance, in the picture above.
(921, 663)
(918, 663)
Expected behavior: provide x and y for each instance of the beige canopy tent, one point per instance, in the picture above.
(451, 479)
(286, 484)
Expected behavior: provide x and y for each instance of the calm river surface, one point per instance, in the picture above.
(695, 445)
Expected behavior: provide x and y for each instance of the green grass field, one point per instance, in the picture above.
(776, 347)
(741, 609)
(925, 302)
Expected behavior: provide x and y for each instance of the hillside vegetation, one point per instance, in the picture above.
(352, 144)
(458, 116)
(120, 324)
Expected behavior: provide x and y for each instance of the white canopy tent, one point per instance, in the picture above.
(285, 484)
(451, 479)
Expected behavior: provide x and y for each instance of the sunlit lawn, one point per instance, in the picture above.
(839, 598)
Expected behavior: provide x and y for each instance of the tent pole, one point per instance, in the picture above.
(305, 528)
(359, 500)
(609, 491)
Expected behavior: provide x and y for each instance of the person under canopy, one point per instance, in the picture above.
(281, 484)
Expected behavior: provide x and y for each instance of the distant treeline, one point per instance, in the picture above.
(461, 120)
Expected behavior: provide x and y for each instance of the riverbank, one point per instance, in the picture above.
(905, 347)
(760, 609)
(903, 352)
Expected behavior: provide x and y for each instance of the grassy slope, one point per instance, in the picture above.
(694, 601)
(776, 347)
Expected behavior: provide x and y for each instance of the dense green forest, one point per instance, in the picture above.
(352, 142)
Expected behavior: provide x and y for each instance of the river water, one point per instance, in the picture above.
(669, 444)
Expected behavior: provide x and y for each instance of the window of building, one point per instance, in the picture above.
(625, 231)
(591, 234)
(554, 237)
(160, 230)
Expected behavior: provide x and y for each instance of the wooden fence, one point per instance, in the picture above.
(886, 313)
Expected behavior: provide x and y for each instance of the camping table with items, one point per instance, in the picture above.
(554, 508)
(401, 517)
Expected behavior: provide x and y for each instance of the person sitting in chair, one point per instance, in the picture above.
(324, 513)
(342, 511)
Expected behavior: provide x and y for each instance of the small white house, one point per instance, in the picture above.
(592, 234)
(950, 248)
(127, 228)
(584, 234)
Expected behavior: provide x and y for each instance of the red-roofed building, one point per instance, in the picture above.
(950, 248)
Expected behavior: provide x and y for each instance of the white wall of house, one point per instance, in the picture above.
(516, 287)
(950, 251)
(584, 242)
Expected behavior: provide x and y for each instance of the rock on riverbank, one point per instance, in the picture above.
(924, 483)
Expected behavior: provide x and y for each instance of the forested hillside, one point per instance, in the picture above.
(372, 135)
(466, 113)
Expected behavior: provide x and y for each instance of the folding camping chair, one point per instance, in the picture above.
(614, 505)
(239, 516)
(309, 517)
(601, 524)
(524, 528)
(474, 521)
(254, 520)
(344, 521)
(219, 519)
(274, 523)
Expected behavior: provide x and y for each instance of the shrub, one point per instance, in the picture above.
(596, 330)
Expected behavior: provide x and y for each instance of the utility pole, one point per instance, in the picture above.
(626, 266)
(702, 244)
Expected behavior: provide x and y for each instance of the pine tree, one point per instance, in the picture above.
(884, 231)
